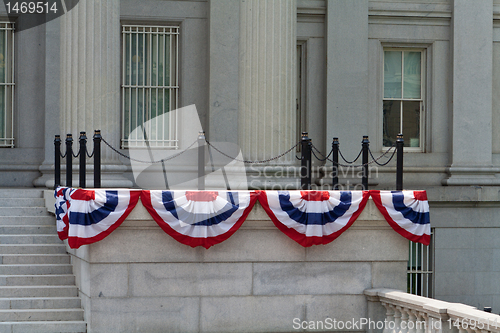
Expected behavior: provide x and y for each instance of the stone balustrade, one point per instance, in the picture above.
(394, 311)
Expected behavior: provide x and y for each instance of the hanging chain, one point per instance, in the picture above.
(253, 162)
(317, 150)
(151, 162)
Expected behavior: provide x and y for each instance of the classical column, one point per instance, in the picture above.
(347, 111)
(90, 79)
(471, 157)
(267, 80)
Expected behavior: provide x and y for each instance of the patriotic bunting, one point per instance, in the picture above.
(407, 212)
(206, 218)
(93, 214)
(313, 217)
(199, 218)
(62, 195)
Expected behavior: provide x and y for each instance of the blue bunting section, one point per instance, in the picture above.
(206, 218)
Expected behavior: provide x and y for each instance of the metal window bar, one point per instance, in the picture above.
(145, 85)
(420, 277)
(7, 85)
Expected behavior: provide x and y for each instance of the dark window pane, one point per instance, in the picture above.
(411, 124)
(392, 121)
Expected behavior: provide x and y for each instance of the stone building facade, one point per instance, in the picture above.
(261, 72)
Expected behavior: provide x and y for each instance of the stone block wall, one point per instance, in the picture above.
(139, 279)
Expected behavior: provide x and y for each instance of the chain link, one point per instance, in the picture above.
(87, 152)
(387, 151)
(254, 162)
(340, 152)
(151, 162)
(317, 150)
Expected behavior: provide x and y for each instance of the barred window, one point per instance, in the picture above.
(404, 96)
(420, 269)
(150, 85)
(6, 84)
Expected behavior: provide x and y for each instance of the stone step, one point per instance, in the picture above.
(27, 229)
(22, 202)
(44, 327)
(37, 280)
(30, 239)
(40, 303)
(35, 269)
(38, 291)
(41, 314)
(27, 220)
(21, 193)
(32, 249)
(24, 211)
(34, 259)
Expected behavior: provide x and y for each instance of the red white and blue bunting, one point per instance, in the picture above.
(206, 218)
(93, 214)
(313, 217)
(407, 212)
(199, 218)
(62, 195)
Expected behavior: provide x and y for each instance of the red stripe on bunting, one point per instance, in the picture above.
(424, 239)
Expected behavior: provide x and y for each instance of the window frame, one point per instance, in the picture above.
(172, 89)
(8, 140)
(424, 87)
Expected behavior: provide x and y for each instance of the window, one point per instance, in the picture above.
(150, 85)
(403, 102)
(420, 269)
(6, 84)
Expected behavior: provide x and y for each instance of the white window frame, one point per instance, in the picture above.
(7, 140)
(423, 90)
(148, 88)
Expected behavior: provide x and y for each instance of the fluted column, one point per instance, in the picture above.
(267, 84)
(90, 79)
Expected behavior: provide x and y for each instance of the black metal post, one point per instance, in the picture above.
(365, 144)
(335, 156)
(97, 158)
(305, 167)
(69, 160)
(57, 161)
(201, 161)
(399, 162)
(83, 156)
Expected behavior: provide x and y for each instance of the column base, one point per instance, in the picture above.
(481, 176)
(111, 176)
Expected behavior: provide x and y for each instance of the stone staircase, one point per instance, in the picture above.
(37, 285)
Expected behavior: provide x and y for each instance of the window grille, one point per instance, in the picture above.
(6, 84)
(150, 85)
(403, 102)
(420, 269)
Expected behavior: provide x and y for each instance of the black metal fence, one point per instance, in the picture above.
(82, 154)
(307, 151)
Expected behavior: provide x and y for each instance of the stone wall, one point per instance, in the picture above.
(139, 279)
